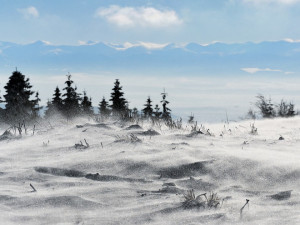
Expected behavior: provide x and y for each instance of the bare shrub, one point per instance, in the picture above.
(191, 201)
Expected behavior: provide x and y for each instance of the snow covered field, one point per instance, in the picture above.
(137, 174)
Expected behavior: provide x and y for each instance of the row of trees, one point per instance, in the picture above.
(19, 105)
(268, 109)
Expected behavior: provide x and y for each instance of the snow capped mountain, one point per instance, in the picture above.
(216, 58)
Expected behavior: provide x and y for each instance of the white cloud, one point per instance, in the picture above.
(142, 16)
(30, 12)
(284, 2)
(255, 70)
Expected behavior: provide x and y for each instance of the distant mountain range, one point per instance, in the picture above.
(192, 58)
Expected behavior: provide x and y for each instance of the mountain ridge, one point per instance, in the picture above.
(195, 58)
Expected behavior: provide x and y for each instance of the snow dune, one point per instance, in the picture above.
(128, 177)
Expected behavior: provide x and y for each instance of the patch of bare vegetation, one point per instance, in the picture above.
(81, 145)
(131, 138)
(201, 201)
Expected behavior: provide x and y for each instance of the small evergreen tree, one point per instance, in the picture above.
(118, 105)
(191, 119)
(135, 113)
(57, 100)
(71, 106)
(50, 111)
(266, 107)
(36, 106)
(286, 109)
(103, 108)
(157, 113)
(86, 105)
(56, 105)
(291, 110)
(166, 115)
(148, 111)
(18, 107)
(127, 113)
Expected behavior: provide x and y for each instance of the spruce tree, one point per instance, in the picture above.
(103, 108)
(50, 111)
(266, 107)
(57, 101)
(18, 107)
(118, 105)
(36, 106)
(86, 105)
(135, 112)
(157, 113)
(166, 115)
(71, 106)
(148, 111)
(56, 105)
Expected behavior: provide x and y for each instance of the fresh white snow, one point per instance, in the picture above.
(237, 166)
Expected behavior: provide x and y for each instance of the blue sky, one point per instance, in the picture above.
(159, 21)
(74, 22)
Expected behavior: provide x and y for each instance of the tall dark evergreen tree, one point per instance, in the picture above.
(71, 106)
(148, 111)
(86, 105)
(118, 105)
(18, 105)
(103, 108)
(166, 115)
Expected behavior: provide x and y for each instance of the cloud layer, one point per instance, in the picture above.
(30, 12)
(140, 16)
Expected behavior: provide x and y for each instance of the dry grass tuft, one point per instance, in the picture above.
(191, 201)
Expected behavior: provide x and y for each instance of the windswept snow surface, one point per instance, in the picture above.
(132, 170)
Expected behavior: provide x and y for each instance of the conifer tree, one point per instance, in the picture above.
(1, 110)
(86, 105)
(71, 106)
(18, 107)
(103, 108)
(135, 112)
(57, 101)
(148, 111)
(157, 113)
(36, 106)
(266, 107)
(50, 111)
(118, 105)
(56, 105)
(128, 112)
(166, 115)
